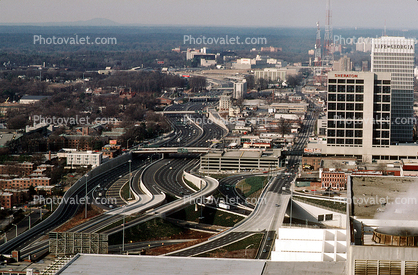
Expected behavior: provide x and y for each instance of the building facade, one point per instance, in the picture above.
(240, 89)
(359, 119)
(395, 55)
(84, 158)
(273, 74)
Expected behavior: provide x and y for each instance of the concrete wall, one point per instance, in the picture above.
(198, 182)
(316, 245)
(218, 122)
(304, 211)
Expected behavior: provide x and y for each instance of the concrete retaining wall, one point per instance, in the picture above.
(198, 182)
(218, 122)
(309, 212)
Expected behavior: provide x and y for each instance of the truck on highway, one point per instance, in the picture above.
(224, 205)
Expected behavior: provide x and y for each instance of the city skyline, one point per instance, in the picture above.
(299, 13)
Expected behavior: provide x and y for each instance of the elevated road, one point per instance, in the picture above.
(269, 212)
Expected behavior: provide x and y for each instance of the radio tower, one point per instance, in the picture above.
(329, 52)
(318, 47)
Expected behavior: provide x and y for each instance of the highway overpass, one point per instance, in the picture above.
(172, 150)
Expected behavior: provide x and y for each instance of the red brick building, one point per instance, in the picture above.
(335, 180)
(23, 183)
(6, 199)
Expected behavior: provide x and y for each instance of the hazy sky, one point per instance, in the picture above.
(399, 14)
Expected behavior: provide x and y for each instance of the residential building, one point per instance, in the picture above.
(6, 199)
(225, 103)
(84, 158)
(344, 64)
(240, 89)
(274, 74)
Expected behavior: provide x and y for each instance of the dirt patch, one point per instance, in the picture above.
(92, 211)
(190, 234)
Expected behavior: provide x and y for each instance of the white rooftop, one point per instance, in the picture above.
(149, 265)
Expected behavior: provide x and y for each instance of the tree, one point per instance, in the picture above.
(17, 122)
(294, 80)
(250, 82)
(197, 83)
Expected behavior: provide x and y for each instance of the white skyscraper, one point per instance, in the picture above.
(395, 55)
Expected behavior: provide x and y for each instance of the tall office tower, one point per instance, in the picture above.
(358, 113)
(395, 55)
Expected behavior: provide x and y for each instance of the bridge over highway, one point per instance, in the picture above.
(180, 112)
(171, 150)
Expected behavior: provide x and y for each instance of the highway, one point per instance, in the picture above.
(270, 210)
(65, 211)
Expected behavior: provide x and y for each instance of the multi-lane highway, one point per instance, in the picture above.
(66, 210)
(270, 210)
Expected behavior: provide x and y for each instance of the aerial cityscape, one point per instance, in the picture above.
(184, 137)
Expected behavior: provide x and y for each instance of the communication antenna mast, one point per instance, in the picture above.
(329, 52)
(318, 53)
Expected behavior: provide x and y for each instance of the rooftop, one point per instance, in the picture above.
(155, 265)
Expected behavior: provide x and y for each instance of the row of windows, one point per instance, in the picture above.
(344, 97)
(345, 133)
(381, 98)
(344, 89)
(381, 89)
(345, 106)
(381, 107)
(381, 134)
(348, 124)
(384, 142)
(357, 81)
(344, 115)
(342, 141)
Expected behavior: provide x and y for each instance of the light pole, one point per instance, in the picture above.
(130, 179)
(85, 209)
(291, 203)
(123, 234)
(123, 230)
(248, 246)
(16, 228)
(127, 142)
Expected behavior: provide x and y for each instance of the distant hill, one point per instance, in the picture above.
(96, 22)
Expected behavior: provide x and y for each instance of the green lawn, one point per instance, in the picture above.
(252, 241)
(210, 216)
(251, 185)
(151, 230)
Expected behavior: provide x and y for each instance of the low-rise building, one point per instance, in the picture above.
(240, 160)
(334, 180)
(84, 158)
(6, 199)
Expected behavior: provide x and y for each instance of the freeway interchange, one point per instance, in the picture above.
(153, 178)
